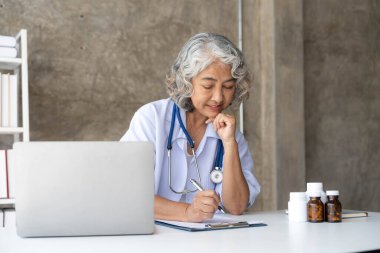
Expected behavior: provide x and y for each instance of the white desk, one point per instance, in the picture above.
(351, 235)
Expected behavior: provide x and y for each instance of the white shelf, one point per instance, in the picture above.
(7, 203)
(10, 63)
(11, 130)
(19, 66)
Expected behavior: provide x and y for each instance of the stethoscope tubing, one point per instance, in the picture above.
(218, 163)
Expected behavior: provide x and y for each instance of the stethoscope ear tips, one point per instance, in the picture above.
(216, 176)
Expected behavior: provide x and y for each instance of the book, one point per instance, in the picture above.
(13, 101)
(1, 218)
(8, 52)
(4, 190)
(9, 218)
(5, 100)
(1, 114)
(347, 214)
(11, 173)
(218, 222)
(7, 41)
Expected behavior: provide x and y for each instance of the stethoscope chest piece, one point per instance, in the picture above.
(216, 176)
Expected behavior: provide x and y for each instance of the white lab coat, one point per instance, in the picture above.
(152, 123)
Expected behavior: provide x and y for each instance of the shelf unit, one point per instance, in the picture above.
(18, 66)
(7, 203)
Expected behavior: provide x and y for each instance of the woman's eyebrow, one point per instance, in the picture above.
(213, 79)
(209, 79)
(230, 80)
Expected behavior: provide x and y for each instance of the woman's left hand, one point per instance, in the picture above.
(225, 126)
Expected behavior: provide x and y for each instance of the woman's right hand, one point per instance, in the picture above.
(204, 206)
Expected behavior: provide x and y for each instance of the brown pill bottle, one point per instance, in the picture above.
(333, 207)
(315, 208)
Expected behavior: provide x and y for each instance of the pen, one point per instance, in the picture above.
(199, 187)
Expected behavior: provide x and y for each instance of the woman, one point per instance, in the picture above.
(208, 75)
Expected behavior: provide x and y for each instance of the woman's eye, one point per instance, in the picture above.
(229, 87)
(207, 87)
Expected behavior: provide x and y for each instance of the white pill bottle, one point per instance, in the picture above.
(297, 207)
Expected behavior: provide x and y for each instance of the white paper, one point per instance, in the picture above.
(217, 219)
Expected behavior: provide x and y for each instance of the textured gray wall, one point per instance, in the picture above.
(290, 128)
(342, 84)
(92, 63)
(274, 116)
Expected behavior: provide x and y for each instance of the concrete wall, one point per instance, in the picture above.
(92, 63)
(315, 62)
(275, 114)
(342, 94)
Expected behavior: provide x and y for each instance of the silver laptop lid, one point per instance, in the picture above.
(84, 188)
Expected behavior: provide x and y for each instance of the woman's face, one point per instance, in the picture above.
(213, 89)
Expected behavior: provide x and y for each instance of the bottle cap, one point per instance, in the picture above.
(315, 194)
(297, 195)
(315, 186)
(332, 193)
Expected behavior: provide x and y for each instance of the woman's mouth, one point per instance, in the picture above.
(216, 108)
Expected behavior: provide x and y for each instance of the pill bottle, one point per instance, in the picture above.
(297, 207)
(333, 207)
(314, 187)
(315, 208)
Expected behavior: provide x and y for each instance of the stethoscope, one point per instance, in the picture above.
(216, 175)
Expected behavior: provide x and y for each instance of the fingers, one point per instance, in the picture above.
(222, 120)
(207, 201)
(204, 206)
(220, 117)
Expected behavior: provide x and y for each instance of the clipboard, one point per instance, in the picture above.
(219, 222)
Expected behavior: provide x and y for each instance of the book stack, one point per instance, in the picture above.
(6, 176)
(8, 47)
(8, 100)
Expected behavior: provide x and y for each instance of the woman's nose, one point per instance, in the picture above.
(217, 96)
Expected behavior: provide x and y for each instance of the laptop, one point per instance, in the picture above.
(84, 188)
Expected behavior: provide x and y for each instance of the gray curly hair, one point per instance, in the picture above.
(195, 56)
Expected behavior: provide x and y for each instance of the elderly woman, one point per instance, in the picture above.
(208, 75)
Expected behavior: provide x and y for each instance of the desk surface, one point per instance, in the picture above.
(352, 235)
